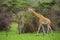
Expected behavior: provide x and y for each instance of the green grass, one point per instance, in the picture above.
(12, 35)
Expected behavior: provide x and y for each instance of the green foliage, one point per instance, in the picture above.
(19, 4)
(56, 7)
(0, 2)
(45, 7)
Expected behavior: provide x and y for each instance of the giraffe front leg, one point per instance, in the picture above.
(43, 29)
(39, 28)
(48, 28)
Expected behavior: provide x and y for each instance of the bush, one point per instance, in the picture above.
(5, 18)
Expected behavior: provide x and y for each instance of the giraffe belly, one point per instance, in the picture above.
(44, 22)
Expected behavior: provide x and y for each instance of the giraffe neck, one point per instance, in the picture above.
(36, 14)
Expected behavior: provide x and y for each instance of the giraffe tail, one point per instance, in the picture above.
(53, 26)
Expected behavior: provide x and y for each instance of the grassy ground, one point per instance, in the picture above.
(12, 35)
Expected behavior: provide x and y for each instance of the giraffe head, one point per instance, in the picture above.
(30, 9)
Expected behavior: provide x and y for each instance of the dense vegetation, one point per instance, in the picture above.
(15, 19)
(14, 10)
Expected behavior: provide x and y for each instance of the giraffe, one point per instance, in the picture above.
(42, 21)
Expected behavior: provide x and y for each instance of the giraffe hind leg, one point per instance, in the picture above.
(51, 30)
(48, 26)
